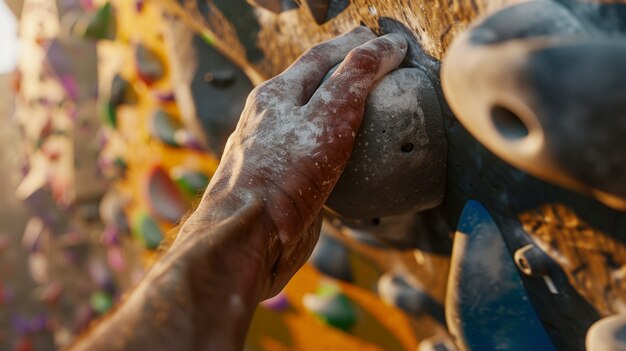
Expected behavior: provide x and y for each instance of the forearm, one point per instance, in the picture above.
(203, 292)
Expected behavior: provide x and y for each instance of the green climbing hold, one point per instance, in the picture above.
(110, 114)
(148, 232)
(101, 302)
(101, 24)
(192, 182)
(331, 306)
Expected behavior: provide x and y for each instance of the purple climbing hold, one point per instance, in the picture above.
(164, 96)
(115, 258)
(277, 303)
(185, 138)
(111, 236)
(20, 324)
(38, 323)
(101, 275)
(139, 5)
(164, 198)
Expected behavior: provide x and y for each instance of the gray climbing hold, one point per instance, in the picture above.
(149, 65)
(398, 164)
(319, 9)
(163, 126)
(608, 334)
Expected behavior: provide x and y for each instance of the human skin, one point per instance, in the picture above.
(259, 218)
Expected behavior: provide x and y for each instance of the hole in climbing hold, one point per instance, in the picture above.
(407, 147)
(508, 124)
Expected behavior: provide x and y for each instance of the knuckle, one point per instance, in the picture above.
(318, 53)
(263, 90)
(316, 49)
(364, 57)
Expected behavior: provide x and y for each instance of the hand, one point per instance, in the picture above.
(294, 139)
(260, 216)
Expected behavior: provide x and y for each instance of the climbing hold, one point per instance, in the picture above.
(164, 96)
(148, 232)
(101, 24)
(122, 92)
(541, 47)
(51, 293)
(395, 290)
(277, 303)
(110, 236)
(164, 198)
(139, 5)
(331, 257)
(111, 210)
(120, 167)
(100, 301)
(112, 213)
(532, 261)
(163, 127)
(24, 344)
(38, 323)
(210, 90)
(436, 343)
(101, 275)
(276, 6)
(319, 9)
(110, 114)
(149, 65)
(331, 306)
(192, 182)
(38, 267)
(33, 234)
(487, 304)
(115, 258)
(383, 177)
(20, 324)
(608, 334)
(185, 138)
(83, 317)
(222, 78)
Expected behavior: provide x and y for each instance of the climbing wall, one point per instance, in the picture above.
(540, 219)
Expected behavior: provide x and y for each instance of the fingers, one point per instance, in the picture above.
(345, 91)
(302, 78)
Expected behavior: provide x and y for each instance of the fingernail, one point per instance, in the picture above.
(397, 39)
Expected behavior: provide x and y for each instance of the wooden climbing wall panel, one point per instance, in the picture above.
(283, 37)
